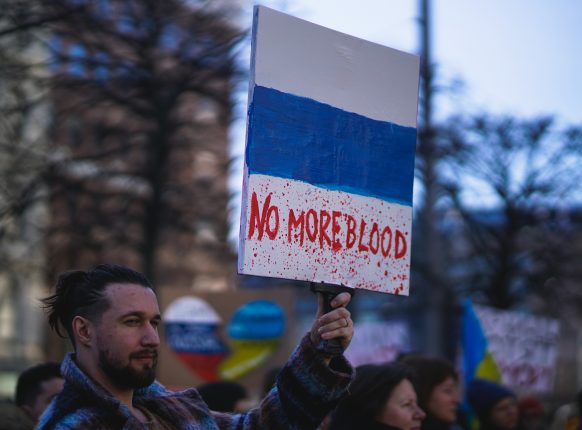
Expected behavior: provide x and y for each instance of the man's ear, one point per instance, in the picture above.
(83, 330)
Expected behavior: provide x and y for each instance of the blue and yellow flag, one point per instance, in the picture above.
(477, 359)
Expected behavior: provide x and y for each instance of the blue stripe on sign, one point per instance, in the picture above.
(299, 138)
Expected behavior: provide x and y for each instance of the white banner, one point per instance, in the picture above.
(378, 342)
(525, 347)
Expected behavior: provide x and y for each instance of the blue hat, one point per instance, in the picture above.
(484, 395)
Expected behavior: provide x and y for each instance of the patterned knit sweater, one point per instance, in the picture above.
(306, 390)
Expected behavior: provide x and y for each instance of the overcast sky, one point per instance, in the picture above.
(515, 56)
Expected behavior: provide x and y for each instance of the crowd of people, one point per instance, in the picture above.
(111, 316)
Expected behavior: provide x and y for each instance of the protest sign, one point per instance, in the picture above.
(524, 347)
(329, 160)
(210, 336)
(378, 342)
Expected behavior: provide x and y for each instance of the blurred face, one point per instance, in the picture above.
(127, 336)
(505, 414)
(444, 401)
(48, 390)
(401, 409)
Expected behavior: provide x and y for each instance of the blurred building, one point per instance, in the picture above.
(142, 105)
(134, 141)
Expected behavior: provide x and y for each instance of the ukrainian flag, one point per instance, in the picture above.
(477, 359)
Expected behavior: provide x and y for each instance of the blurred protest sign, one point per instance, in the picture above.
(378, 342)
(192, 329)
(232, 335)
(329, 162)
(524, 347)
(254, 330)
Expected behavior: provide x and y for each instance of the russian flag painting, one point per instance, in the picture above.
(329, 159)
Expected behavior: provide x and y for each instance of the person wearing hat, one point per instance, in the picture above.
(494, 405)
(532, 415)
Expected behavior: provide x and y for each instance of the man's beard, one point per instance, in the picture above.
(127, 377)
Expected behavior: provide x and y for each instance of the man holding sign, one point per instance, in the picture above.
(327, 199)
(111, 316)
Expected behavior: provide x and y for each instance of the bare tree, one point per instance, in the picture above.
(508, 183)
(113, 138)
(141, 106)
(24, 161)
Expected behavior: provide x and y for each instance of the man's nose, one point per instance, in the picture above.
(150, 336)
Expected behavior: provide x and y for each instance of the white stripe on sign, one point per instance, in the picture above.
(295, 230)
(331, 67)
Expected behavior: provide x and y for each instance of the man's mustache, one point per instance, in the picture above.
(146, 353)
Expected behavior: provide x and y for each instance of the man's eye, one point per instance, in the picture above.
(132, 322)
(156, 323)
